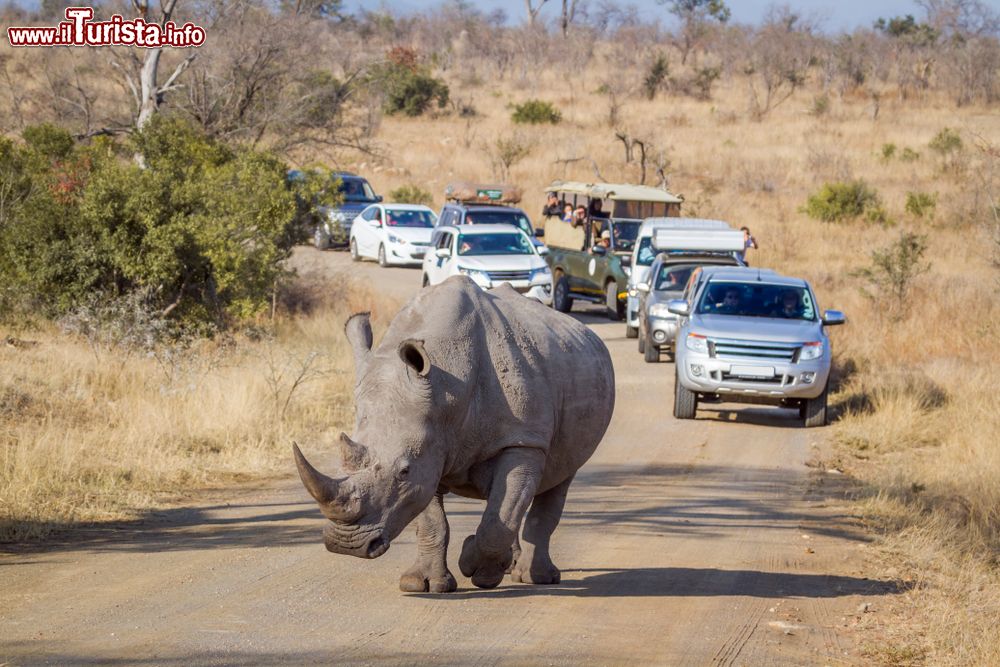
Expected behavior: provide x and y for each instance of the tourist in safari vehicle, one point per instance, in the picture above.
(585, 267)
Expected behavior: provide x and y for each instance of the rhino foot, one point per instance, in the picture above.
(535, 574)
(485, 570)
(415, 581)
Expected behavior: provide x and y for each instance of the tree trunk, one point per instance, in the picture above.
(150, 95)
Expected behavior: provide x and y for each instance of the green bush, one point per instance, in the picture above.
(836, 202)
(890, 276)
(946, 142)
(921, 204)
(820, 105)
(536, 112)
(202, 229)
(656, 77)
(411, 194)
(909, 155)
(409, 87)
(888, 151)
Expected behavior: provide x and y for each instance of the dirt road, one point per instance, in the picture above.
(705, 542)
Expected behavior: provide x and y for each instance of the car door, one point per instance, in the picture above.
(434, 265)
(376, 229)
(362, 232)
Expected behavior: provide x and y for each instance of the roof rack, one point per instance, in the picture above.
(468, 192)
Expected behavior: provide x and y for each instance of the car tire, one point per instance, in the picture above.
(381, 256)
(427, 281)
(651, 353)
(670, 356)
(320, 238)
(685, 400)
(631, 332)
(642, 344)
(813, 410)
(616, 311)
(561, 299)
(355, 257)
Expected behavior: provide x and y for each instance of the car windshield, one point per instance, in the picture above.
(623, 235)
(757, 300)
(408, 218)
(673, 278)
(356, 189)
(494, 244)
(515, 218)
(646, 252)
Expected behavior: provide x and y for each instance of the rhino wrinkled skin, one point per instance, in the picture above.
(487, 395)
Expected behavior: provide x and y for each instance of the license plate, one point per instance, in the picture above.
(752, 371)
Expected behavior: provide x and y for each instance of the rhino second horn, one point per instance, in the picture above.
(355, 454)
(334, 496)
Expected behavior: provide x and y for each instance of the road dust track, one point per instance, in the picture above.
(683, 543)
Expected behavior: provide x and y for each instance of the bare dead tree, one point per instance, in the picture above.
(567, 16)
(533, 10)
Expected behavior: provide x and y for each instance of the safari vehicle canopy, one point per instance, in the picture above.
(620, 203)
(467, 192)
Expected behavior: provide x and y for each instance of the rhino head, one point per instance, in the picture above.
(391, 468)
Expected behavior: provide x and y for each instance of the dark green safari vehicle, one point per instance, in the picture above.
(590, 255)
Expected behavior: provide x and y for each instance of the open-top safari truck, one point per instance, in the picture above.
(587, 268)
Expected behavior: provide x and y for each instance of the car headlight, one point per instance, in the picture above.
(540, 275)
(475, 274)
(660, 310)
(395, 239)
(696, 343)
(812, 350)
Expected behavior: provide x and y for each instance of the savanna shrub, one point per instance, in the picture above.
(889, 278)
(409, 87)
(836, 202)
(411, 194)
(536, 112)
(201, 230)
(921, 204)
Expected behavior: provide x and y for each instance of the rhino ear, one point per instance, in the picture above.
(414, 355)
(359, 334)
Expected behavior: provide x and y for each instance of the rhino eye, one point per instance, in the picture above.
(403, 473)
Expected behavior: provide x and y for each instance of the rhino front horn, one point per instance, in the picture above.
(335, 500)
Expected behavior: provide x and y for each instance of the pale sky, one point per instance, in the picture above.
(836, 15)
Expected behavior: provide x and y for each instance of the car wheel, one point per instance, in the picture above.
(320, 238)
(561, 299)
(813, 410)
(615, 309)
(631, 332)
(685, 400)
(355, 257)
(642, 344)
(381, 256)
(427, 281)
(670, 356)
(651, 353)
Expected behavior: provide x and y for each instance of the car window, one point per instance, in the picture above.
(673, 278)
(515, 218)
(356, 190)
(395, 217)
(494, 244)
(623, 235)
(757, 300)
(444, 241)
(646, 252)
(368, 213)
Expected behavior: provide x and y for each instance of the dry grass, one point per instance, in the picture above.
(96, 435)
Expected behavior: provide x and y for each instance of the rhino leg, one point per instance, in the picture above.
(535, 565)
(488, 554)
(430, 572)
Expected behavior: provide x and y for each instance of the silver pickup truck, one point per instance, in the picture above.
(752, 336)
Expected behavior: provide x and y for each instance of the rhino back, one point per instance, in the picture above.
(508, 371)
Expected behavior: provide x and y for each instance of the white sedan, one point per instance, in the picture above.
(392, 233)
(491, 255)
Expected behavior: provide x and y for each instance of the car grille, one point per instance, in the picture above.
(778, 380)
(724, 348)
(509, 275)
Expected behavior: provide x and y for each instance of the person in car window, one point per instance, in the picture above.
(748, 242)
(730, 302)
(579, 216)
(568, 214)
(597, 209)
(790, 305)
(552, 209)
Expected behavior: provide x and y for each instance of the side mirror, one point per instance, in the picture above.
(679, 307)
(542, 250)
(443, 253)
(599, 250)
(539, 233)
(378, 198)
(833, 317)
(626, 260)
(642, 287)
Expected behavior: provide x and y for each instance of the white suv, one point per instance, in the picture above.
(491, 255)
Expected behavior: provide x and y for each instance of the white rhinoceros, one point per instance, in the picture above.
(487, 395)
